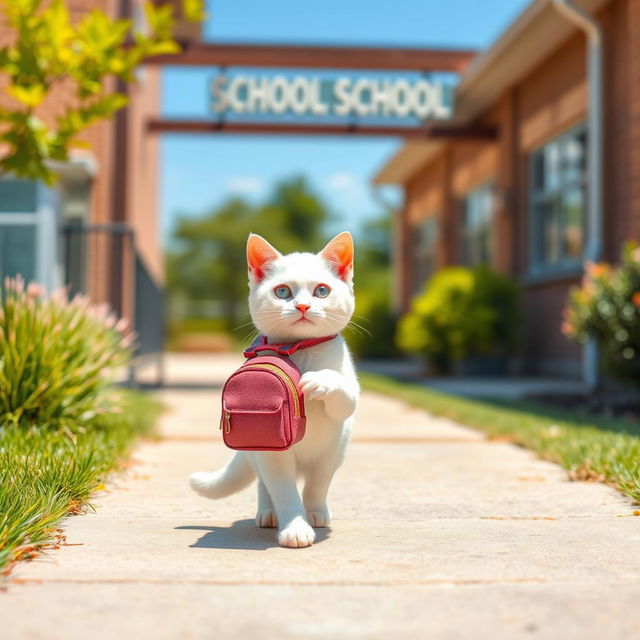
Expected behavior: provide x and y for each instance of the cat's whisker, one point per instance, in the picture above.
(242, 326)
(250, 337)
(355, 329)
(364, 329)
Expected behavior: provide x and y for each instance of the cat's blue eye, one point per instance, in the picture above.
(282, 291)
(322, 291)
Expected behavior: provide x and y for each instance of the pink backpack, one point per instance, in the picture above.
(262, 407)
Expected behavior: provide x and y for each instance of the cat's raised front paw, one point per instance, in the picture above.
(318, 384)
(267, 519)
(297, 534)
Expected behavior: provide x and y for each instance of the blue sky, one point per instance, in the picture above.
(199, 171)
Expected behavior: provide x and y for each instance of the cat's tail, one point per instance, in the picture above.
(222, 483)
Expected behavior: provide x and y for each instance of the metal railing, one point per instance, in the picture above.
(102, 260)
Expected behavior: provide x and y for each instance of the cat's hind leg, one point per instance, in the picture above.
(266, 516)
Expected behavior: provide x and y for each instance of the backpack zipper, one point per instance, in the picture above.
(285, 378)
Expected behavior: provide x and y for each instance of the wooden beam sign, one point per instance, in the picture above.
(317, 57)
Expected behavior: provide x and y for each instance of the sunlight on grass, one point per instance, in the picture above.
(46, 473)
(590, 448)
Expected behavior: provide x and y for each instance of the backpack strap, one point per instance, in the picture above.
(284, 348)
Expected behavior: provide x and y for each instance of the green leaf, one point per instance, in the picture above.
(30, 96)
(163, 47)
(193, 10)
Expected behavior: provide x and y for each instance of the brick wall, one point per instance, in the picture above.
(550, 100)
(621, 23)
(132, 196)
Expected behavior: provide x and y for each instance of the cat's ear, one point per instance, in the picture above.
(259, 254)
(339, 252)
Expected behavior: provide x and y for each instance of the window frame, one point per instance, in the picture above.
(566, 264)
(419, 252)
(463, 235)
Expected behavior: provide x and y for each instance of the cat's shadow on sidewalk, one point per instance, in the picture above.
(242, 534)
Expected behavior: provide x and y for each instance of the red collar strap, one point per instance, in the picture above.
(284, 348)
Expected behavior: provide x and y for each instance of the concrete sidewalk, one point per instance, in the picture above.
(437, 532)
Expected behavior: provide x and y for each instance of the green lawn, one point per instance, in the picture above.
(46, 474)
(590, 448)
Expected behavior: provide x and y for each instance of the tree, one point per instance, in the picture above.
(208, 258)
(375, 337)
(304, 213)
(50, 50)
(210, 262)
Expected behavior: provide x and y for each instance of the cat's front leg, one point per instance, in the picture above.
(337, 391)
(277, 470)
(314, 495)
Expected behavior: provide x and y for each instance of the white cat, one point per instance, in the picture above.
(293, 297)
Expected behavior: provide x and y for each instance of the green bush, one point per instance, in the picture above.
(58, 358)
(461, 313)
(374, 337)
(606, 307)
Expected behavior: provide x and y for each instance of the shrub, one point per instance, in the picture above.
(374, 338)
(606, 307)
(461, 313)
(58, 358)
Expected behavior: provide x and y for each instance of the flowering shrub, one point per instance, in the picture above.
(461, 313)
(606, 307)
(58, 357)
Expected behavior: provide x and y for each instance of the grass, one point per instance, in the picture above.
(48, 473)
(590, 448)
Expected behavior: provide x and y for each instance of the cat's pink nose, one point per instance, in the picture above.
(303, 308)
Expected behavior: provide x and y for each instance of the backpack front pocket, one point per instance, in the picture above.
(253, 430)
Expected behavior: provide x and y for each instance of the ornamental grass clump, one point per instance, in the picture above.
(606, 307)
(58, 358)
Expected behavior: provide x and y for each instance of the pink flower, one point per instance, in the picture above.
(35, 290)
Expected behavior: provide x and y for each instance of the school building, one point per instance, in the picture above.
(96, 230)
(516, 197)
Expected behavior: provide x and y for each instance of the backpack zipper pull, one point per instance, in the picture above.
(227, 422)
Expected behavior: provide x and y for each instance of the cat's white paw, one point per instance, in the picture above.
(319, 517)
(267, 519)
(319, 384)
(297, 534)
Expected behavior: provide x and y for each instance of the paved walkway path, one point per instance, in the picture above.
(437, 533)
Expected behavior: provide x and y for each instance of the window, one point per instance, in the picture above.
(18, 220)
(17, 251)
(18, 196)
(557, 202)
(477, 226)
(28, 231)
(424, 252)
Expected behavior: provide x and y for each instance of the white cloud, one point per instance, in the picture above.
(348, 188)
(343, 182)
(245, 185)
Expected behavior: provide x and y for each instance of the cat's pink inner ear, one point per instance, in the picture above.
(259, 254)
(339, 252)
